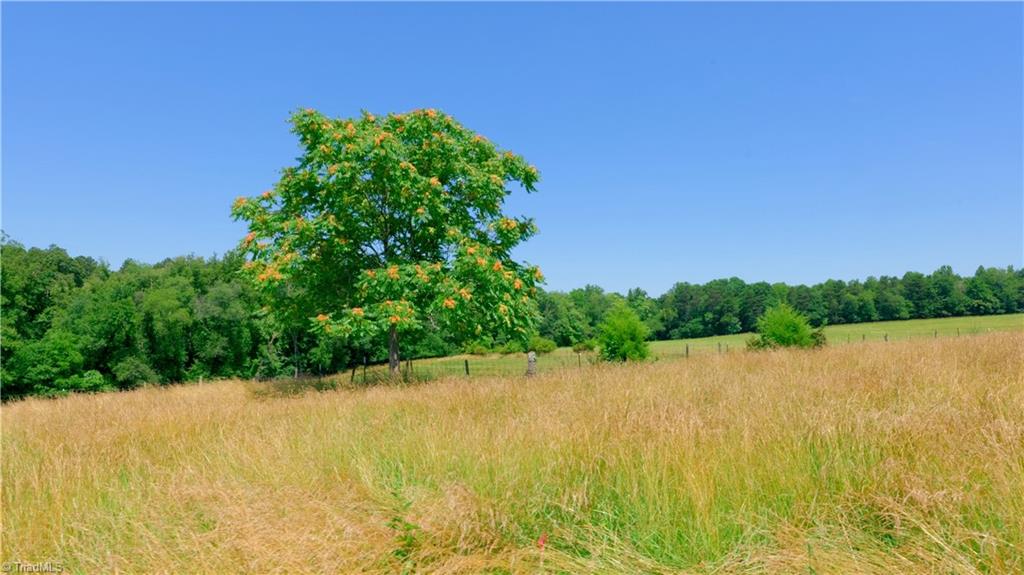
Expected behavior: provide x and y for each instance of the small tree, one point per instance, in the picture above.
(393, 225)
(622, 336)
(782, 326)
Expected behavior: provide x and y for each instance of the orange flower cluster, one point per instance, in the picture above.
(421, 210)
(270, 273)
(357, 311)
(248, 239)
(471, 250)
(517, 284)
(350, 128)
(422, 275)
(371, 274)
(332, 169)
(379, 139)
(449, 303)
(399, 311)
(481, 262)
(508, 223)
(431, 112)
(537, 274)
(393, 272)
(266, 195)
(325, 148)
(503, 309)
(322, 318)
(495, 178)
(407, 166)
(239, 202)
(497, 266)
(435, 182)
(466, 295)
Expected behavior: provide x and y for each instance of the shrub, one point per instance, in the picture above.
(622, 336)
(783, 326)
(91, 380)
(509, 347)
(132, 371)
(585, 345)
(477, 348)
(542, 344)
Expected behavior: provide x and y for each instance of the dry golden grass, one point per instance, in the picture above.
(877, 458)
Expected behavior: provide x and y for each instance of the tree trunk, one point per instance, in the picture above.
(394, 364)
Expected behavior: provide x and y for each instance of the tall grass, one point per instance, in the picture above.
(903, 457)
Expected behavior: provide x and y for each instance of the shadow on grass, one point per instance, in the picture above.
(298, 386)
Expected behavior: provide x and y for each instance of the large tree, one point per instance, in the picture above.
(394, 225)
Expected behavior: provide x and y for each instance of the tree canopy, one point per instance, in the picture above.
(393, 224)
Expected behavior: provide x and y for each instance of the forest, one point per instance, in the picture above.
(75, 324)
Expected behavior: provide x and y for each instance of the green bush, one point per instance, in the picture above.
(585, 345)
(622, 336)
(783, 326)
(476, 348)
(542, 344)
(91, 380)
(509, 347)
(132, 371)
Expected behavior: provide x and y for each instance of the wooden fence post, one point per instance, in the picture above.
(719, 347)
(886, 337)
(687, 350)
(466, 363)
(579, 359)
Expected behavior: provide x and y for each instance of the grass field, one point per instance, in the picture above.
(899, 457)
(515, 364)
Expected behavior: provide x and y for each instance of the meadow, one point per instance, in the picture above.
(565, 357)
(904, 456)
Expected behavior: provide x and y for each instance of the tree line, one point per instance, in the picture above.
(74, 324)
(726, 306)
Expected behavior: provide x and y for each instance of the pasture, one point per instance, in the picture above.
(898, 457)
(563, 358)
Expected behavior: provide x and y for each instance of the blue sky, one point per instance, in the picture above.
(676, 142)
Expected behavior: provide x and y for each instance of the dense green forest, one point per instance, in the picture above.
(72, 323)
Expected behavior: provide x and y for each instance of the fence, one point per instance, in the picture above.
(515, 364)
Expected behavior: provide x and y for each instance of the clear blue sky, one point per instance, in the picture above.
(676, 142)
